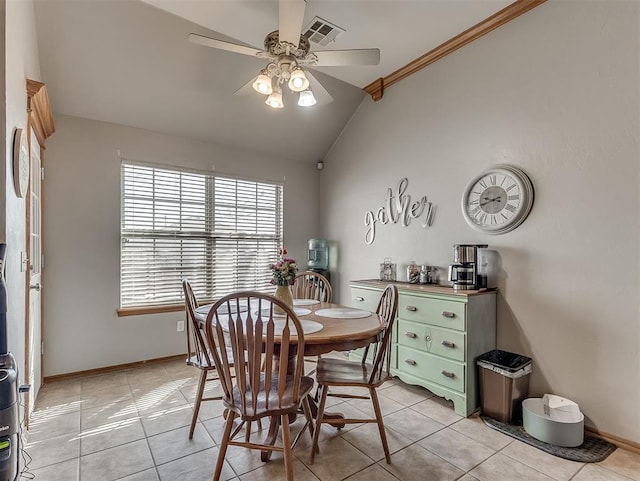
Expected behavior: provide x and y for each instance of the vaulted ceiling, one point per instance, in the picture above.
(129, 62)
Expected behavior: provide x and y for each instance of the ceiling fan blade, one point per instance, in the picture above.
(222, 45)
(246, 88)
(319, 92)
(291, 16)
(339, 58)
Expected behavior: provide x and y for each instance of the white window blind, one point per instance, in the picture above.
(221, 233)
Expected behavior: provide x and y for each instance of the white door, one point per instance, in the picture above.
(35, 273)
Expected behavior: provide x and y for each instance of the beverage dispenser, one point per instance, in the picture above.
(318, 257)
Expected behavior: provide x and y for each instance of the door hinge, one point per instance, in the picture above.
(41, 261)
(41, 173)
(42, 347)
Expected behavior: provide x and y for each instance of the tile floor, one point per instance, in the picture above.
(133, 425)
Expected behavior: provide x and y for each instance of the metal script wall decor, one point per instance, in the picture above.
(398, 207)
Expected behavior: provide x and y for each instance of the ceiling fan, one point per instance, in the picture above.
(289, 55)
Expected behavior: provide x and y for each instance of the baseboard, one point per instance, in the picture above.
(119, 367)
(617, 440)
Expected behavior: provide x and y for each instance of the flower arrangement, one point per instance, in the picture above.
(284, 271)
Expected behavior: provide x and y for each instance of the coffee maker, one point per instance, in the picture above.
(463, 273)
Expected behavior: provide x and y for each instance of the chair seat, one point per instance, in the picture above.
(200, 361)
(339, 372)
(287, 405)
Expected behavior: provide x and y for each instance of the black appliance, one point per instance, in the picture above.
(9, 405)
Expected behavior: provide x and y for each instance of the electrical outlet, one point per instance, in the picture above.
(180, 326)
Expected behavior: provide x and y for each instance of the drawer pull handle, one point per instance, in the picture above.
(448, 374)
(412, 335)
(449, 344)
(449, 314)
(360, 299)
(411, 362)
(412, 308)
(427, 338)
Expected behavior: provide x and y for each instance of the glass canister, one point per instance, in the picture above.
(428, 274)
(413, 273)
(387, 270)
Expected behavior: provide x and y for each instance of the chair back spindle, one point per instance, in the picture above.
(312, 285)
(244, 322)
(386, 310)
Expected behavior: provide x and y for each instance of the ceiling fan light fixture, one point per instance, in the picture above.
(275, 100)
(262, 83)
(306, 98)
(298, 81)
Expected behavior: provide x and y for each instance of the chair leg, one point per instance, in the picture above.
(224, 445)
(383, 435)
(288, 452)
(196, 407)
(307, 414)
(316, 434)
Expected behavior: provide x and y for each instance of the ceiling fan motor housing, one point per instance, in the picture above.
(276, 48)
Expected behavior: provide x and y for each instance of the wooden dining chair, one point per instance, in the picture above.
(268, 378)
(197, 353)
(337, 373)
(312, 285)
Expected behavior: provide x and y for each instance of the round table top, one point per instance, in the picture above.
(337, 334)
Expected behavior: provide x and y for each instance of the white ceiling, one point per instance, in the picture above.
(129, 62)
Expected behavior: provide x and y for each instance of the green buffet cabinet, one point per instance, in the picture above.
(438, 335)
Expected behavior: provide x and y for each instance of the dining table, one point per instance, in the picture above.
(327, 327)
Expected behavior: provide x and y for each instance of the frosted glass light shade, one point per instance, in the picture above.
(306, 99)
(275, 100)
(262, 84)
(298, 81)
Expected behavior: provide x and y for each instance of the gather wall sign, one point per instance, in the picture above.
(398, 207)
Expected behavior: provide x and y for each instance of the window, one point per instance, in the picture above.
(222, 233)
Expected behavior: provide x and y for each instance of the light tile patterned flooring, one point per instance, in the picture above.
(133, 425)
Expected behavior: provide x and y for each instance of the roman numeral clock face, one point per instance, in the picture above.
(498, 200)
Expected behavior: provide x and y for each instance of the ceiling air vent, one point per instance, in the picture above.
(322, 32)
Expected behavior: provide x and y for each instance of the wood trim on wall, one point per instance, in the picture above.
(39, 109)
(119, 367)
(517, 8)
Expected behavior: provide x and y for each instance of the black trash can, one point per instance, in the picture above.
(504, 384)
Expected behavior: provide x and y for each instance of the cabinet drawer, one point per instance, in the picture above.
(366, 299)
(437, 312)
(431, 368)
(422, 337)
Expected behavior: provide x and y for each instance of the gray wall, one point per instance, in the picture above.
(81, 237)
(20, 62)
(556, 93)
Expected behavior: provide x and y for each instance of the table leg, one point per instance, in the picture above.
(272, 435)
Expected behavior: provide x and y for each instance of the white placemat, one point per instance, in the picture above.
(305, 302)
(298, 311)
(308, 327)
(204, 310)
(342, 313)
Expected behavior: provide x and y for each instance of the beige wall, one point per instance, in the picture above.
(81, 237)
(556, 93)
(20, 62)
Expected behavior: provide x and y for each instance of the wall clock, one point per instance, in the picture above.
(498, 200)
(20, 162)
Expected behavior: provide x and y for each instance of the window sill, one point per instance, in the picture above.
(139, 311)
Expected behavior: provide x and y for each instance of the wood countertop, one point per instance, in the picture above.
(425, 288)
